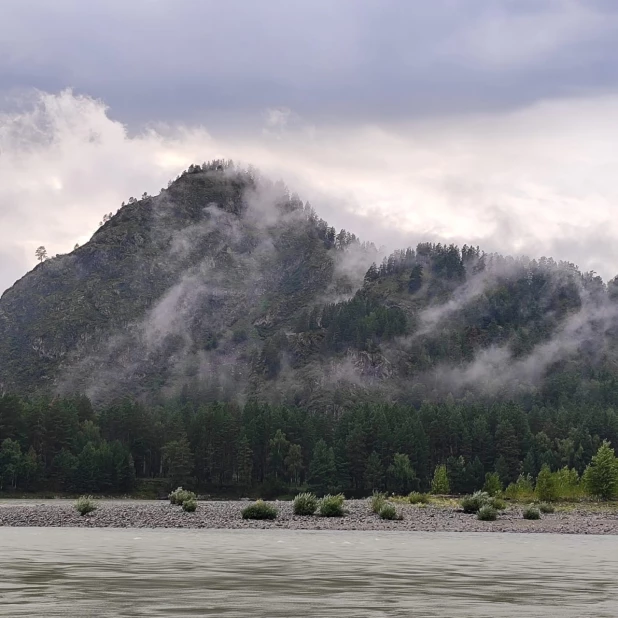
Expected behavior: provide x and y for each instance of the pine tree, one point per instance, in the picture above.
(322, 470)
(41, 254)
(416, 279)
(374, 472)
(507, 448)
(356, 451)
(10, 463)
(178, 459)
(401, 475)
(244, 461)
(294, 463)
(277, 452)
(31, 469)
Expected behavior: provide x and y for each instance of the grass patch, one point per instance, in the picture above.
(487, 513)
(376, 502)
(259, 510)
(305, 504)
(418, 498)
(85, 505)
(388, 511)
(498, 503)
(332, 506)
(546, 508)
(532, 512)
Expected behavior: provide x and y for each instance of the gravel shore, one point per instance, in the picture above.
(226, 515)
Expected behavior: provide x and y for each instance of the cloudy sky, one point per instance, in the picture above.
(491, 122)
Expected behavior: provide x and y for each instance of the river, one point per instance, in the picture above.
(268, 573)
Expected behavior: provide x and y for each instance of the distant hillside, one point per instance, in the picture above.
(194, 286)
(226, 287)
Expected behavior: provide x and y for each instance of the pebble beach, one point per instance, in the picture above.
(227, 515)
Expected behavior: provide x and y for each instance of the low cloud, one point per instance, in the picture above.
(536, 181)
(496, 369)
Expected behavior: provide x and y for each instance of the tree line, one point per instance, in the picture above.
(65, 445)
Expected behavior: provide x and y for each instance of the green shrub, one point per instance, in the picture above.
(85, 505)
(332, 506)
(180, 495)
(417, 498)
(388, 511)
(189, 505)
(567, 484)
(522, 489)
(487, 513)
(475, 502)
(532, 513)
(377, 501)
(305, 504)
(546, 485)
(498, 503)
(545, 507)
(440, 483)
(493, 484)
(259, 510)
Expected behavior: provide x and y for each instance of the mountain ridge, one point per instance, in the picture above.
(229, 286)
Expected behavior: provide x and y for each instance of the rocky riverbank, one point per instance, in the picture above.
(151, 514)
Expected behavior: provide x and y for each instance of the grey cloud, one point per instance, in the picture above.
(536, 182)
(345, 60)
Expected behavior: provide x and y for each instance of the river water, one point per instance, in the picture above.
(137, 572)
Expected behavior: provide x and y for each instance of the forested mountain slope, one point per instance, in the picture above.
(221, 333)
(227, 287)
(191, 287)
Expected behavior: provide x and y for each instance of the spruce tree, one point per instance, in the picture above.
(374, 472)
(322, 470)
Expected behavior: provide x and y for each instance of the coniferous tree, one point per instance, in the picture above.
(322, 469)
(374, 472)
(277, 452)
(10, 463)
(178, 460)
(294, 463)
(402, 478)
(244, 461)
(416, 279)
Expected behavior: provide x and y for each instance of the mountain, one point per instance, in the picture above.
(227, 287)
(199, 283)
(220, 335)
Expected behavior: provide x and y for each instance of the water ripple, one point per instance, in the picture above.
(103, 572)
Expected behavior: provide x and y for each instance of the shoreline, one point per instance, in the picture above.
(226, 515)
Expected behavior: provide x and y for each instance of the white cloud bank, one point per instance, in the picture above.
(539, 180)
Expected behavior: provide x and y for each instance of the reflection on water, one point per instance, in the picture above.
(111, 572)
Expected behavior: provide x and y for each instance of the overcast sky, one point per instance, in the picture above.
(490, 122)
